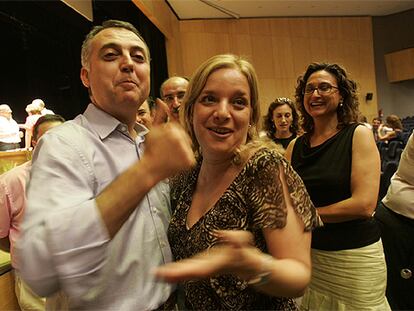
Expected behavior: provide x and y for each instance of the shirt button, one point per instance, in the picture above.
(162, 244)
(406, 273)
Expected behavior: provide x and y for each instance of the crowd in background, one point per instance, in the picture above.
(11, 133)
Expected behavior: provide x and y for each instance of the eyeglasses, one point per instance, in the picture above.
(170, 97)
(323, 89)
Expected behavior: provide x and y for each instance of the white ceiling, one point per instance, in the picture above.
(208, 9)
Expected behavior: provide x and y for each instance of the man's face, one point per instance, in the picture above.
(376, 123)
(173, 93)
(144, 115)
(118, 74)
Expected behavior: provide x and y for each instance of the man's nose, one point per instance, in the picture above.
(176, 102)
(127, 64)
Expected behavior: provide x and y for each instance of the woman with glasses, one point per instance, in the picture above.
(282, 121)
(339, 163)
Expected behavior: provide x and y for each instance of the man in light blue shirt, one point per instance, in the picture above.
(97, 214)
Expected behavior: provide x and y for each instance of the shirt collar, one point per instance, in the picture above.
(104, 124)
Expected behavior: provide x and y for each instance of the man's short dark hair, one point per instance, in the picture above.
(44, 119)
(112, 23)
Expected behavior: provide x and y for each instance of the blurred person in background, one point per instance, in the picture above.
(9, 130)
(41, 104)
(395, 215)
(392, 130)
(145, 113)
(363, 120)
(376, 122)
(282, 121)
(12, 206)
(34, 113)
(172, 92)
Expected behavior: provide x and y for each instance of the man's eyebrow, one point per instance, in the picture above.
(113, 45)
(110, 45)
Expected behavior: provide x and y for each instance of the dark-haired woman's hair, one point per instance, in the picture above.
(348, 110)
(269, 124)
(394, 122)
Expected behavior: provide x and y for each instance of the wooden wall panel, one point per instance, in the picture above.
(365, 29)
(240, 26)
(301, 55)
(8, 300)
(262, 56)
(349, 29)
(400, 65)
(319, 49)
(317, 28)
(280, 27)
(267, 90)
(260, 27)
(298, 28)
(279, 48)
(283, 57)
(241, 44)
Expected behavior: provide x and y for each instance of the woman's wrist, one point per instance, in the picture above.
(265, 273)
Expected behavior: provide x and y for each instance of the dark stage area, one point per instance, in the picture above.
(40, 54)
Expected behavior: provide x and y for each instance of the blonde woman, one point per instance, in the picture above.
(243, 219)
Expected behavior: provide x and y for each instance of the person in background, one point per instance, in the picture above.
(242, 222)
(282, 121)
(9, 130)
(340, 165)
(395, 215)
(12, 206)
(363, 120)
(34, 113)
(98, 209)
(41, 104)
(172, 92)
(145, 113)
(376, 122)
(393, 129)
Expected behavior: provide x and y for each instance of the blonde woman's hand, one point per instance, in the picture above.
(234, 255)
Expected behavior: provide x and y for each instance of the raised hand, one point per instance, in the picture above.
(168, 150)
(162, 112)
(235, 255)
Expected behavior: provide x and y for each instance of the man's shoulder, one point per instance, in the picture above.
(74, 135)
(18, 174)
(73, 129)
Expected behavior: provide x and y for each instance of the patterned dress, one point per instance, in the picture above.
(252, 202)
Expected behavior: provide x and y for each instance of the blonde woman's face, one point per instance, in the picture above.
(222, 113)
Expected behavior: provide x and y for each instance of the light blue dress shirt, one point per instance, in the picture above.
(65, 244)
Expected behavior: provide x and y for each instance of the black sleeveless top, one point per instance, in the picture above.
(284, 141)
(326, 172)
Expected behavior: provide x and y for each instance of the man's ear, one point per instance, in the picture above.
(84, 75)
